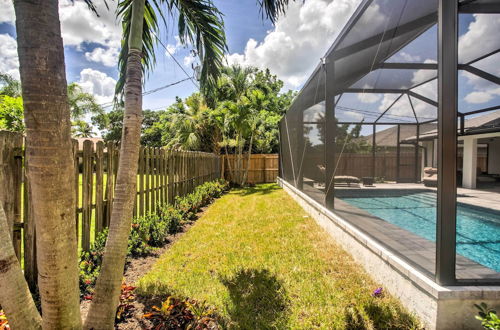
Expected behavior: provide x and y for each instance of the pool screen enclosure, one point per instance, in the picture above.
(385, 111)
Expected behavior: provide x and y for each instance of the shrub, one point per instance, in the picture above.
(184, 314)
(488, 317)
(90, 264)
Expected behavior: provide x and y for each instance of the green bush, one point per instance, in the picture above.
(488, 317)
(90, 264)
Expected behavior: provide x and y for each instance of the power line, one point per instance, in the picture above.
(108, 104)
(175, 60)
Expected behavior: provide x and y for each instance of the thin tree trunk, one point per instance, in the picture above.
(49, 160)
(105, 302)
(248, 161)
(231, 173)
(16, 298)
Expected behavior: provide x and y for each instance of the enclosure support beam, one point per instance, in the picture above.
(417, 152)
(447, 142)
(398, 154)
(330, 132)
(374, 148)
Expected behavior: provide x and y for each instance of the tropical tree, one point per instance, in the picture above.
(81, 103)
(11, 113)
(81, 129)
(200, 23)
(193, 126)
(9, 85)
(49, 165)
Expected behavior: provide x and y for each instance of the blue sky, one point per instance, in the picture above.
(242, 21)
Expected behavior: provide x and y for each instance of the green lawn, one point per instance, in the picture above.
(263, 263)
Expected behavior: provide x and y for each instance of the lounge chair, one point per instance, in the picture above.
(430, 177)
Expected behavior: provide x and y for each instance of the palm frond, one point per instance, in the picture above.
(272, 9)
(199, 23)
(150, 28)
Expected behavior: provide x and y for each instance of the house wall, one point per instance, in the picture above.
(494, 157)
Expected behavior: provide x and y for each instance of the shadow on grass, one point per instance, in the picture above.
(375, 315)
(260, 189)
(258, 300)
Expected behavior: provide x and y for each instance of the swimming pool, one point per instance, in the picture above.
(478, 229)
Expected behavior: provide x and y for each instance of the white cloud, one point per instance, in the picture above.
(173, 48)
(7, 13)
(478, 97)
(79, 24)
(97, 83)
(299, 40)
(9, 62)
(108, 57)
(188, 60)
(368, 97)
(480, 38)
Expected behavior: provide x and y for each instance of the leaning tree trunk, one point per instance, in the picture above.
(105, 302)
(49, 160)
(15, 297)
(248, 161)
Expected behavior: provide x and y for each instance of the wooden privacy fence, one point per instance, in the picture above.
(162, 175)
(263, 167)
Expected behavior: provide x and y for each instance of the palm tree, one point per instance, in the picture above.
(193, 127)
(81, 103)
(200, 23)
(49, 164)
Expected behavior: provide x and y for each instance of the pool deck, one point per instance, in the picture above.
(420, 251)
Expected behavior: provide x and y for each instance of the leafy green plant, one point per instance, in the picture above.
(125, 307)
(488, 317)
(176, 313)
(90, 264)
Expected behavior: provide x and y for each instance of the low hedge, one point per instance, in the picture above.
(149, 231)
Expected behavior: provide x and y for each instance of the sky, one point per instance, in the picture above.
(291, 49)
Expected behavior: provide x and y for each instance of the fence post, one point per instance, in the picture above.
(99, 189)
(87, 188)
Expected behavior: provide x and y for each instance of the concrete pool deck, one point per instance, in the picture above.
(439, 307)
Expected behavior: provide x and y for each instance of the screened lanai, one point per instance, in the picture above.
(381, 133)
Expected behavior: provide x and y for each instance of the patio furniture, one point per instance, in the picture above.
(346, 179)
(367, 181)
(430, 177)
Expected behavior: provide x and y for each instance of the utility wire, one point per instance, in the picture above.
(175, 60)
(108, 104)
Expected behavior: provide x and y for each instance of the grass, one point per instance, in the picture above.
(264, 264)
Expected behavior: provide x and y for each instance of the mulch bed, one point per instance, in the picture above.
(136, 268)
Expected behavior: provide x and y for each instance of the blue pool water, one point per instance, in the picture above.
(478, 229)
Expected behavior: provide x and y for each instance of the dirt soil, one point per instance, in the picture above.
(135, 269)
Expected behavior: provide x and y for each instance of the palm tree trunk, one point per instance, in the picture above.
(231, 173)
(248, 161)
(49, 160)
(16, 298)
(103, 308)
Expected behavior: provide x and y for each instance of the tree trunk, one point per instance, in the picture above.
(16, 298)
(248, 161)
(49, 160)
(105, 302)
(231, 173)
